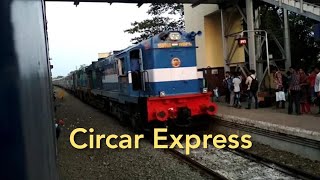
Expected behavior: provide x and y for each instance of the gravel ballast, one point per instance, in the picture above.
(233, 166)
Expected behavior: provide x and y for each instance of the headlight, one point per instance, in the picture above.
(205, 90)
(175, 36)
(162, 94)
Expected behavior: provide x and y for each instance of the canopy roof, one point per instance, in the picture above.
(140, 2)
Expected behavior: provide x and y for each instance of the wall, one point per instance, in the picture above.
(234, 25)
(213, 40)
(194, 19)
(207, 18)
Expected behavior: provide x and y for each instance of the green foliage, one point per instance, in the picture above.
(158, 22)
(271, 22)
(304, 48)
(173, 9)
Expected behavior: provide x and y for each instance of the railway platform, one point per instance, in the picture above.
(298, 134)
(306, 125)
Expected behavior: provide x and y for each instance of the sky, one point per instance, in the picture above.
(78, 34)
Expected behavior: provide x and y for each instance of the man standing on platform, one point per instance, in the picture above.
(227, 84)
(252, 89)
(236, 81)
(317, 86)
(294, 92)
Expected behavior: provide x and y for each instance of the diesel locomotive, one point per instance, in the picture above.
(153, 82)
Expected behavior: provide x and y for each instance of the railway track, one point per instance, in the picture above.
(210, 173)
(198, 157)
(254, 167)
(305, 148)
(276, 165)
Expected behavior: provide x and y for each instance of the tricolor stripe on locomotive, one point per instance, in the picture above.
(156, 80)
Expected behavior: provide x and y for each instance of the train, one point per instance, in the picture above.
(153, 83)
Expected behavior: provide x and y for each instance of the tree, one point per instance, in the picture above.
(305, 48)
(158, 22)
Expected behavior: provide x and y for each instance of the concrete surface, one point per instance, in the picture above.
(306, 126)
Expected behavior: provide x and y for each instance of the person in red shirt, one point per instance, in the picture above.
(304, 101)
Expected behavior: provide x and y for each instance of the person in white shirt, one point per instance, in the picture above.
(317, 86)
(251, 91)
(236, 84)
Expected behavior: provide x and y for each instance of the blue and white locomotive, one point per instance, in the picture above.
(154, 81)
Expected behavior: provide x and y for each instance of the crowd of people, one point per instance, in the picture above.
(233, 84)
(296, 87)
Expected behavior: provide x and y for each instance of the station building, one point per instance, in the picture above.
(210, 51)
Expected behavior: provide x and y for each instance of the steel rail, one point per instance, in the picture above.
(273, 164)
(197, 165)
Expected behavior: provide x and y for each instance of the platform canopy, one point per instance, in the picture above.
(140, 2)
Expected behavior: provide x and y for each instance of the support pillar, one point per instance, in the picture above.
(224, 43)
(258, 46)
(251, 39)
(287, 39)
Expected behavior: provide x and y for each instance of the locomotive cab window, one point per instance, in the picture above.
(136, 68)
(121, 70)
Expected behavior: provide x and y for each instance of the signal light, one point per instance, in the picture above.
(172, 113)
(242, 41)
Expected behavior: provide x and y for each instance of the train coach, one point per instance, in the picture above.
(155, 82)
